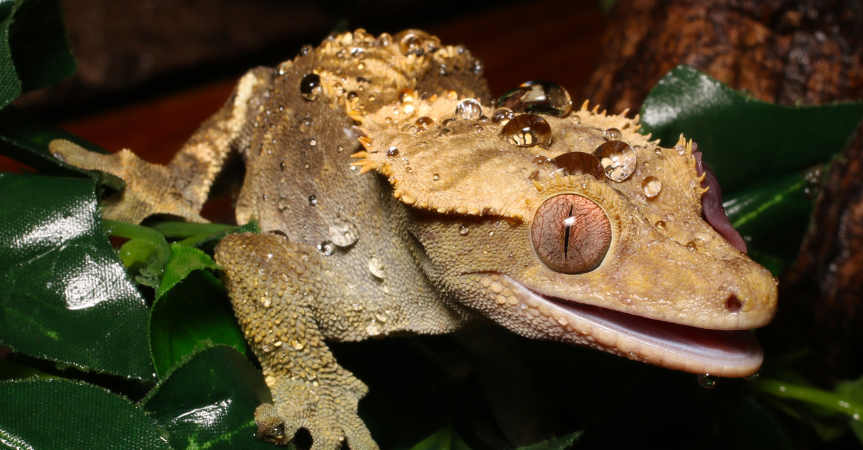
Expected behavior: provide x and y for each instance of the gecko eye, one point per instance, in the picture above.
(570, 234)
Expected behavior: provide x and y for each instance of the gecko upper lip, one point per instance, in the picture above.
(727, 353)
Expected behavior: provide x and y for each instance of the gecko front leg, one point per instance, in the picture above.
(180, 188)
(272, 285)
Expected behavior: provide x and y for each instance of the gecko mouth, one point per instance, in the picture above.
(726, 353)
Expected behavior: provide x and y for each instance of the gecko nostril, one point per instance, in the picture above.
(733, 303)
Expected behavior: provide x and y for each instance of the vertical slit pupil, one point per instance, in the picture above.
(567, 224)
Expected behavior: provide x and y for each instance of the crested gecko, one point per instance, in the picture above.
(397, 196)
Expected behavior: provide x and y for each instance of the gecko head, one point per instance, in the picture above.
(571, 226)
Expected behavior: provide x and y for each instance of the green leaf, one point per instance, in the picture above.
(40, 49)
(10, 85)
(756, 211)
(209, 402)
(34, 51)
(62, 414)
(64, 294)
(194, 314)
(744, 140)
(445, 439)
(25, 138)
(559, 443)
(154, 268)
(182, 262)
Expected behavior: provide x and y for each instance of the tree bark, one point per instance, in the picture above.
(781, 51)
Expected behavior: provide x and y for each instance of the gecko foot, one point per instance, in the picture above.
(327, 409)
(150, 188)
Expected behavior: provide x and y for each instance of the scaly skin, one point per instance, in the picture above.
(443, 234)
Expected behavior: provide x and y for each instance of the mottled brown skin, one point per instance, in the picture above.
(441, 238)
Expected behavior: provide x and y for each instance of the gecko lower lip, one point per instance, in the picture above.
(726, 353)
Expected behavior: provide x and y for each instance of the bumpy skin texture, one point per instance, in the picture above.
(443, 236)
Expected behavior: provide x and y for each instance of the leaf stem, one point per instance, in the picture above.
(815, 396)
(185, 230)
(132, 231)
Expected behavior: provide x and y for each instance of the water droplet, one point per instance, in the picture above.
(691, 246)
(392, 152)
(463, 230)
(376, 268)
(542, 160)
(266, 302)
(681, 149)
(527, 130)
(574, 163)
(298, 345)
(543, 97)
(612, 134)
(313, 142)
(326, 248)
(310, 87)
(313, 200)
(282, 166)
(660, 224)
(707, 382)
(406, 95)
(752, 377)
(424, 123)
(775, 281)
(436, 177)
(468, 109)
(305, 124)
(352, 96)
(618, 159)
(416, 42)
(476, 66)
(502, 115)
(343, 235)
(373, 329)
(651, 186)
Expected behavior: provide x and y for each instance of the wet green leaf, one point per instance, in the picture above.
(209, 402)
(193, 314)
(40, 50)
(64, 294)
(10, 85)
(755, 212)
(34, 51)
(62, 414)
(560, 443)
(745, 141)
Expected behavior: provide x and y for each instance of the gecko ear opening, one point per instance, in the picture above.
(570, 234)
